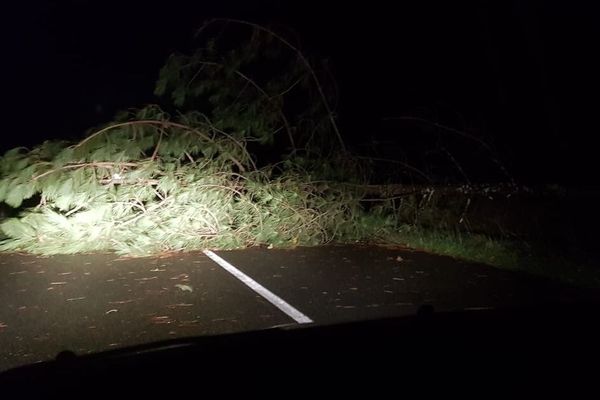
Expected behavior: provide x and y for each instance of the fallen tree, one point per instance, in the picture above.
(181, 176)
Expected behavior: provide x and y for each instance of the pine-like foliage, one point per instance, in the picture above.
(252, 82)
(151, 182)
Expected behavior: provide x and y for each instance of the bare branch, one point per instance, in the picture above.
(170, 124)
(443, 127)
(154, 154)
(261, 91)
(405, 165)
(302, 59)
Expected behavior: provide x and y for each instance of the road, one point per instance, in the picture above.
(91, 303)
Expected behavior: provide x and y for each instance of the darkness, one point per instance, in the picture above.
(522, 75)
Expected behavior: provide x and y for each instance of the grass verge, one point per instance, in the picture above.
(534, 259)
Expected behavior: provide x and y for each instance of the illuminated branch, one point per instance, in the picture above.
(169, 124)
(92, 164)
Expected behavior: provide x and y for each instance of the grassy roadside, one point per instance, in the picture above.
(535, 259)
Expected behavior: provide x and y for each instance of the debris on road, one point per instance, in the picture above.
(179, 305)
(164, 319)
(146, 279)
(121, 301)
(184, 288)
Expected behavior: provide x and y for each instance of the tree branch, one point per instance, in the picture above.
(302, 59)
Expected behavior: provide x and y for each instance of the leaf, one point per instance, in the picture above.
(21, 164)
(167, 184)
(63, 202)
(50, 148)
(92, 216)
(66, 188)
(179, 95)
(184, 288)
(58, 221)
(15, 196)
(15, 228)
(4, 185)
(29, 189)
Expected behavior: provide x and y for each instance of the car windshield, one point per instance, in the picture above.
(180, 169)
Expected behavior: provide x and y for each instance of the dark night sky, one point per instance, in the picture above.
(522, 74)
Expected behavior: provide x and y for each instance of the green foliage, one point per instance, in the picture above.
(258, 90)
(472, 247)
(153, 181)
(145, 186)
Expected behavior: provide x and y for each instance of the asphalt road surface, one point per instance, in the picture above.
(91, 303)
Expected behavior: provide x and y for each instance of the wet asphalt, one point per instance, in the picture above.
(92, 303)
